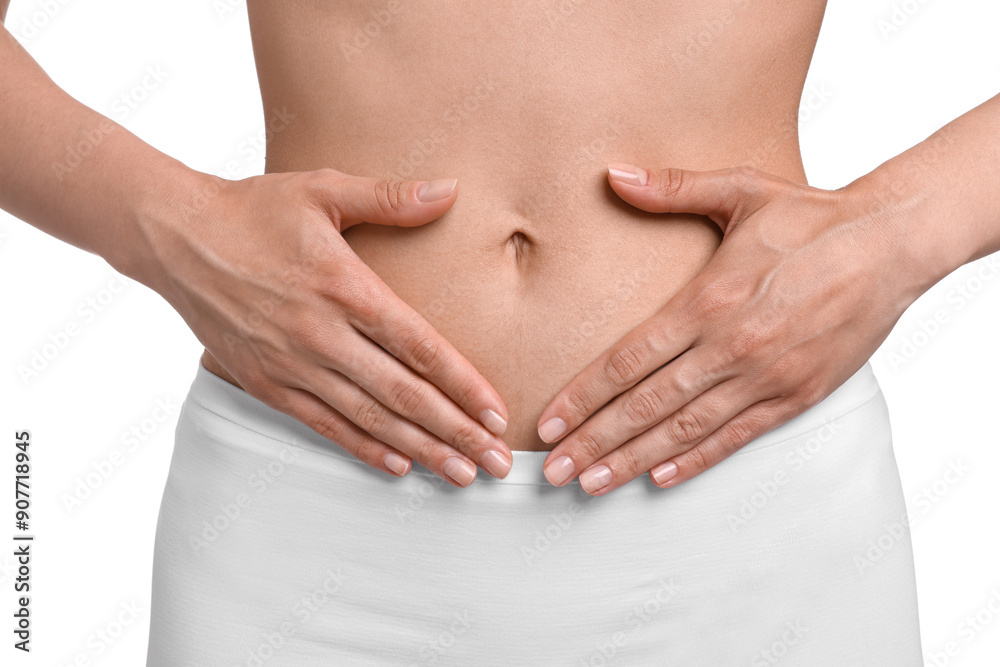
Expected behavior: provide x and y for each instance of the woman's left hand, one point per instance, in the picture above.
(805, 286)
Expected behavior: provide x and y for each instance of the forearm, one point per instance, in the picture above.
(75, 174)
(941, 199)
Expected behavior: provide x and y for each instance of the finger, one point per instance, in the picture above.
(374, 418)
(351, 200)
(721, 194)
(391, 323)
(332, 425)
(728, 439)
(638, 353)
(400, 391)
(676, 434)
(635, 411)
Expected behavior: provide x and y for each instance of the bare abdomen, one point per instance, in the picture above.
(538, 267)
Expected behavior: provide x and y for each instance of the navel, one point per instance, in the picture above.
(521, 245)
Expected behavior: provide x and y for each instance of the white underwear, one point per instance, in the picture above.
(274, 547)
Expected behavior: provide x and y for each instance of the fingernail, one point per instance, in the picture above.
(460, 470)
(495, 463)
(559, 470)
(395, 463)
(551, 429)
(663, 472)
(492, 421)
(595, 479)
(627, 173)
(434, 190)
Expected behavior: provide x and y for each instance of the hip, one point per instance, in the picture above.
(272, 541)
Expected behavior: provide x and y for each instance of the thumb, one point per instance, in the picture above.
(352, 200)
(722, 194)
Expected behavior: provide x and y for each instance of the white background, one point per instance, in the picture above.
(883, 93)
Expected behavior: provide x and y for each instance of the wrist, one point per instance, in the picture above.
(918, 247)
(163, 205)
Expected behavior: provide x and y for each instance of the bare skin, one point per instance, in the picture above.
(541, 287)
(532, 273)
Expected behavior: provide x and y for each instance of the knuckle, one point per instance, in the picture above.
(388, 195)
(685, 384)
(712, 301)
(751, 180)
(586, 447)
(328, 424)
(258, 385)
(579, 401)
(695, 458)
(686, 427)
(744, 172)
(464, 392)
(424, 354)
(671, 182)
(625, 364)
(323, 184)
(421, 450)
(362, 303)
(809, 394)
(466, 438)
(370, 416)
(407, 397)
(328, 175)
(745, 341)
(642, 406)
(627, 463)
(368, 450)
(737, 433)
(305, 333)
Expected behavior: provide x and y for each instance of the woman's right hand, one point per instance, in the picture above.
(260, 272)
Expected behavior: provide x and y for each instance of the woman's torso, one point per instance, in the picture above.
(538, 267)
